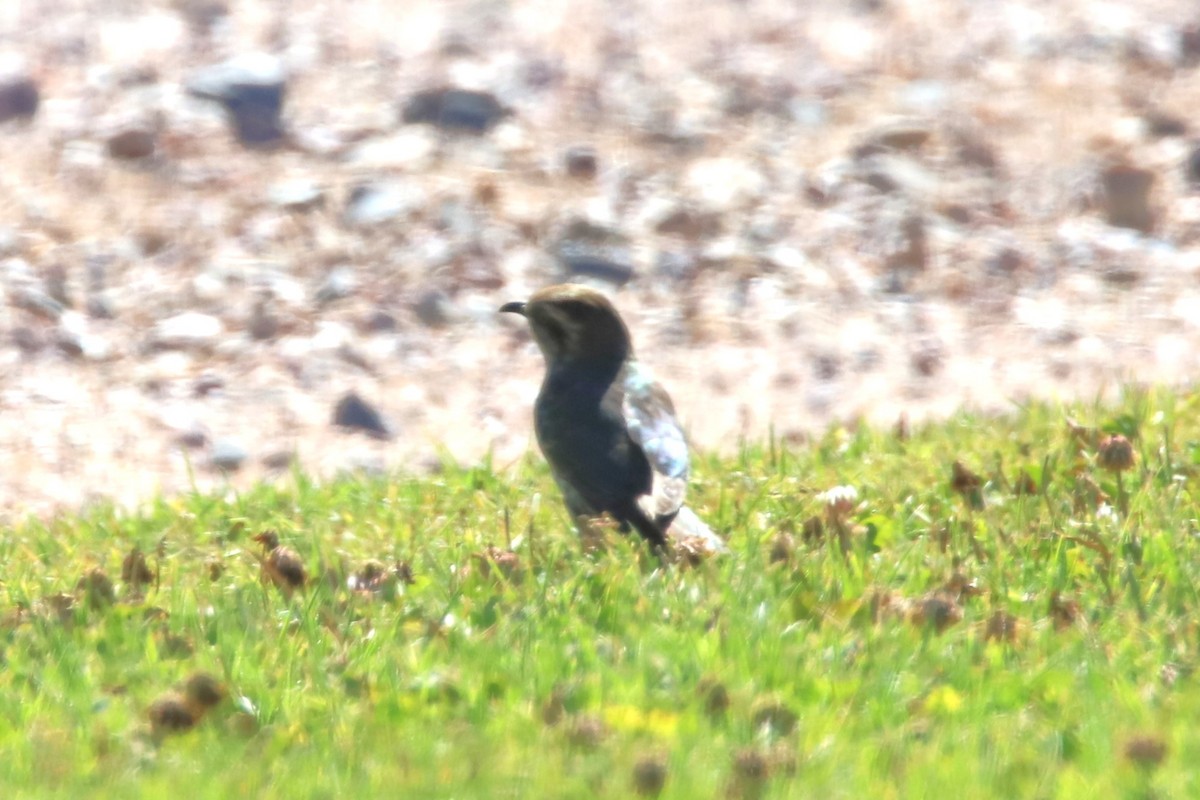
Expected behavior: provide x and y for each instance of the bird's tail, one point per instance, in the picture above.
(690, 529)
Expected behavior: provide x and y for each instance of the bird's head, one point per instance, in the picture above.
(572, 323)
(269, 539)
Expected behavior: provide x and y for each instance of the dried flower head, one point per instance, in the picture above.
(1116, 453)
(1146, 751)
(839, 502)
(135, 571)
(650, 775)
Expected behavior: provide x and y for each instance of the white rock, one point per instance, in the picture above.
(190, 330)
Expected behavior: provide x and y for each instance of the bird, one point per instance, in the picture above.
(281, 565)
(606, 427)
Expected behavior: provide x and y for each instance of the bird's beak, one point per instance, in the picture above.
(515, 307)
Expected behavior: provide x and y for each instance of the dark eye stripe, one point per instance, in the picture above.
(554, 330)
(575, 308)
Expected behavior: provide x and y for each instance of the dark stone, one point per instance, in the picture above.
(926, 359)
(55, 281)
(206, 383)
(202, 15)
(585, 249)
(379, 321)
(252, 90)
(69, 343)
(460, 110)
(689, 223)
(193, 437)
(263, 325)
(279, 459)
(357, 414)
(27, 340)
(827, 366)
(1192, 165)
(1127, 197)
(131, 144)
(99, 307)
(1161, 125)
(19, 97)
(588, 265)
(581, 162)
(1189, 45)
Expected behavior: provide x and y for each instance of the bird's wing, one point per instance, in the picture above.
(650, 420)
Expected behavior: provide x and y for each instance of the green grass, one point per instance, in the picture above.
(808, 663)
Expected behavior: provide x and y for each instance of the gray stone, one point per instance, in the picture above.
(251, 88)
(376, 203)
(457, 110)
(227, 455)
(433, 308)
(586, 249)
(37, 302)
(279, 459)
(338, 284)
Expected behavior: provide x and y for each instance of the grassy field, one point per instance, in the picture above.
(1025, 626)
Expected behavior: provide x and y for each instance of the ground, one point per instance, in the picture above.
(884, 210)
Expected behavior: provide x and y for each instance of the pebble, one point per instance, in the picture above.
(190, 330)
(19, 96)
(299, 194)
(355, 413)
(132, 143)
(1126, 197)
(75, 340)
(433, 308)
(27, 339)
(411, 148)
(375, 203)
(37, 302)
(457, 110)
(378, 321)
(904, 135)
(279, 459)
(203, 15)
(338, 284)
(227, 455)
(251, 88)
(1192, 164)
(263, 324)
(581, 162)
(585, 249)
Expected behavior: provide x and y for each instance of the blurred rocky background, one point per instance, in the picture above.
(241, 234)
